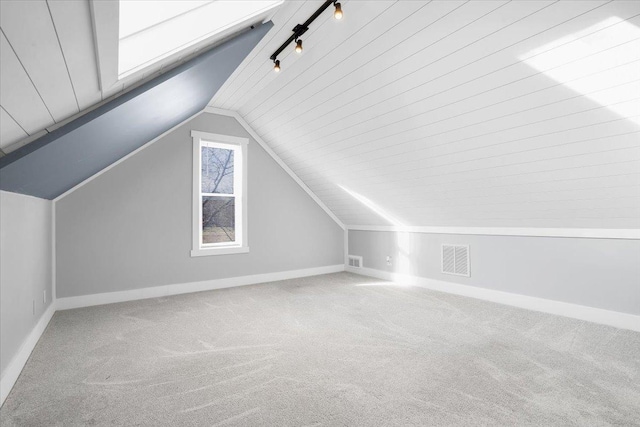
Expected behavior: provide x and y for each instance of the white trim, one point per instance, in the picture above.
(13, 370)
(346, 248)
(240, 176)
(53, 252)
(221, 250)
(131, 154)
(586, 233)
(589, 314)
(185, 288)
(274, 156)
(217, 137)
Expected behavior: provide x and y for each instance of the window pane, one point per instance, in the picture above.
(217, 170)
(218, 219)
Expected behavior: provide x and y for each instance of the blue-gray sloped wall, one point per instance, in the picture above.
(60, 160)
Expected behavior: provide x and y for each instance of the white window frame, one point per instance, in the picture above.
(240, 191)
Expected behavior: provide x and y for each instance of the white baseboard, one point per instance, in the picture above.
(589, 314)
(16, 365)
(185, 288)
(12, 372)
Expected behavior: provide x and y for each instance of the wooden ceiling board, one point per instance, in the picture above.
(30, 31)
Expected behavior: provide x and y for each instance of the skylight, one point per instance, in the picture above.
(151, 30)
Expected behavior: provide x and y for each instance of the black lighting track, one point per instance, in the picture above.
(300, 29)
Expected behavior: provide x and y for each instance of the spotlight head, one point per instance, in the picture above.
(299, 46)
(338, 12)
(276, 67)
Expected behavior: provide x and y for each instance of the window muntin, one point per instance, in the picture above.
(219, 194)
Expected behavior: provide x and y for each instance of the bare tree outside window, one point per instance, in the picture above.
(218, 199)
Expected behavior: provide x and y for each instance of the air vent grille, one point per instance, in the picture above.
(455, 260)
(355, 261)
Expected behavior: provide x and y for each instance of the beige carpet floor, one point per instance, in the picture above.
(332, 350)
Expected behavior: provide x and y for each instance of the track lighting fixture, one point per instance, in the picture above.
(338, 12)
(300, 29)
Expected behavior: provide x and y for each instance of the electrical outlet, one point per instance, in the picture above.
(389, 260)
(44, 296)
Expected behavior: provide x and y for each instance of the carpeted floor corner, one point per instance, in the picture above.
(331, 350)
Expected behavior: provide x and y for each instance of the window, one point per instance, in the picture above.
(219, 194)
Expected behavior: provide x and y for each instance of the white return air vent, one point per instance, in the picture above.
(455, 260)
(355, 261)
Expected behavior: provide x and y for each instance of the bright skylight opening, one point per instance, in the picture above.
(151, 30)
(611, 42)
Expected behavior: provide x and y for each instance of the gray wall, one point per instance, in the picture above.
(130, 227)
(25, 268)
(602, 273)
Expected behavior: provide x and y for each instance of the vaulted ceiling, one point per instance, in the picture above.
(456, 113)
(417, 113)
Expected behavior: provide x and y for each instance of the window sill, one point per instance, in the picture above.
(220, 251)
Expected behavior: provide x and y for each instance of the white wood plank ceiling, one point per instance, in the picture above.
(49, 69)
(48, 65)
(456, 113)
